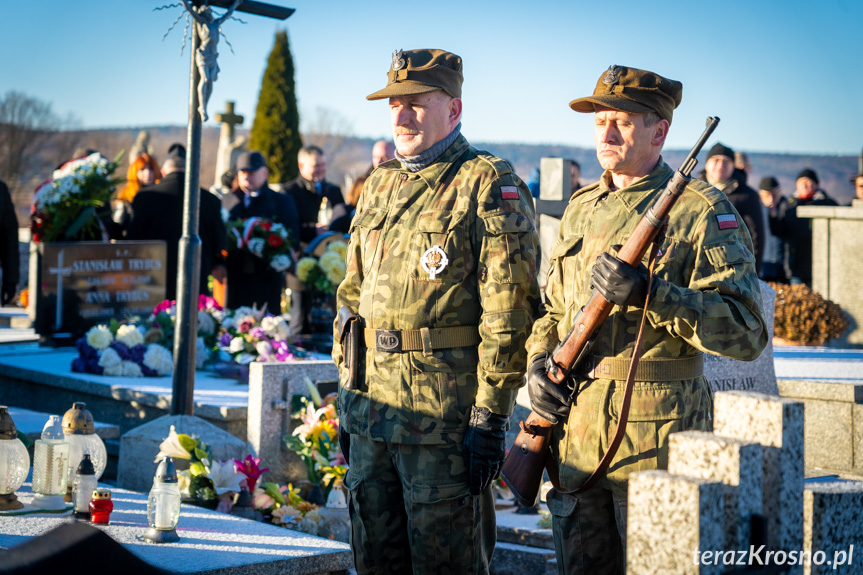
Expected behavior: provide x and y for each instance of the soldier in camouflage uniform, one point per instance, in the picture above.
(705, 297)
(441, 282)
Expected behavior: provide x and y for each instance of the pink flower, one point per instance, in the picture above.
(206, 302)
(165, 305)
(249, 468)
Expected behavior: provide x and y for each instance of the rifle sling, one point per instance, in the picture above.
(602, 467)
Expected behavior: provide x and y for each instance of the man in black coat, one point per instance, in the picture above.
(157, 214)
(251, 280)
(719, 171)
(9, 256)
(309, 189)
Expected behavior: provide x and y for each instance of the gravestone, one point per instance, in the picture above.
(832, 525)
(82, 284)
(670, 517)
(837, 240)
(271, 389)
(737, 464)
(725, 374)
(777, 424)
(139, 447)
(229, 145)
(554, 192)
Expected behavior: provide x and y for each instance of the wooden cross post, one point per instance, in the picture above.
(189, 265)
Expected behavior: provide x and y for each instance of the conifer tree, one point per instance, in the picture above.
(276, 128)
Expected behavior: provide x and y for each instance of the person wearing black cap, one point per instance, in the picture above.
(774, 267)
(798, 231)
(157, 214)
(251, 280)
(720, 173)
(704, 297)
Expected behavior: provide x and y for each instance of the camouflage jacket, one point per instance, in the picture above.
(706, 298)
(470, 204)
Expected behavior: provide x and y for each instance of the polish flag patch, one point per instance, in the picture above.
(509, 192)
(727, 221)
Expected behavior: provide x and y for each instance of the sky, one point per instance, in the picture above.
(783, 75)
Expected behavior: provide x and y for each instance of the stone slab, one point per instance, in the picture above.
(15, 317)
(513, 559)
(521, 529)
(210, 542)
(724, 373)
(737, 464)
(820, 364)
(857, 439)
(139, 447)
(828, 433)
(31, 423)
(833, 523)
(668, 518)
(777, 424)
(13, 335)
(271, 388)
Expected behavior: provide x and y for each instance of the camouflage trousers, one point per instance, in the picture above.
(412, 512)
(590, 528)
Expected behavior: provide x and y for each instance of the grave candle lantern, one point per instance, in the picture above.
(85, 484)
(50, 467)
(101, 506)
(80, 431)
(163, 505)
(14, 462)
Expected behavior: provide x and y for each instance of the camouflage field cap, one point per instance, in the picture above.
(420, 72)
(632, 90)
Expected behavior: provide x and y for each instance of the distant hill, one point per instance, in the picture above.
(350, 156)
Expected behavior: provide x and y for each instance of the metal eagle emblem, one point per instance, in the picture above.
(612, 75)
(433, 261)
(398, 60)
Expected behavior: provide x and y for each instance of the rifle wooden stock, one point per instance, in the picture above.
(524, 464)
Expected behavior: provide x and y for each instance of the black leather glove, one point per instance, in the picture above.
(484, 447)
(8, 293)
(619, 282)
(345, 443)
(548, 399)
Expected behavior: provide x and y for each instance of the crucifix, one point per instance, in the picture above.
(204, 70)
(61, 273)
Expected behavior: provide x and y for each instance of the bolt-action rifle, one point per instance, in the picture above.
(524, 464)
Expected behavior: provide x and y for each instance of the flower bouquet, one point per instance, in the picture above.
(325, 274)
(121, 350)
(210, 315)
(248, 335)
(206, 481)
(65, 207)
(804, 317)
(316, 440)
(263, 239)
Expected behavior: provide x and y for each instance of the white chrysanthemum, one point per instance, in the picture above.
(109, 358)
(279, 229)
(280, 262)
(114, 370)
(99, 337)
(206, 323)
(130, 335)
(256, 246)
(276, 327)
(159, 359)
(264, 348)
(131, 369)
(330, 259)
(237, 345)
(305, 267)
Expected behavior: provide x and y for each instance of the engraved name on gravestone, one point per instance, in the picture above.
(82, 284)
(725, 374)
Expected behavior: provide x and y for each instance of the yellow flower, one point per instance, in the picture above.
(321, 428)
(340, 248)
(305, 267)
(336, 274)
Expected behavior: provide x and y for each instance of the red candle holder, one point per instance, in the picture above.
(101, 506)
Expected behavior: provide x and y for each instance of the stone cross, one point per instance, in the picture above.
(227, 145)
(555, 188)
(189, 264)
(61, 272)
